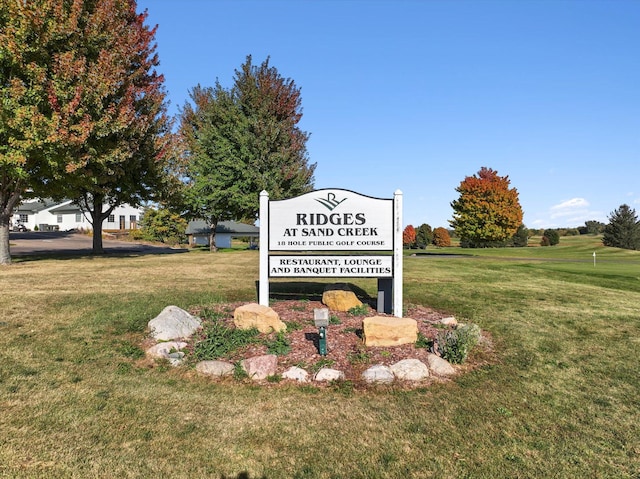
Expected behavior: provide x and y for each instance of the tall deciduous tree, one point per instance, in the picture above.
(241, 141)
(623, 230)
(108, 103)
(488, 211)
(441, 237)
(86, 116)
(26, 32)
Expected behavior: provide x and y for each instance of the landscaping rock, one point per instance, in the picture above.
(440, 366)
(338, 297)
(328, 374)
(389, 331)
(410, 370)
(163, 350)
(254, 315)
(378, 374)
(297, 374)
(450, 321)
(215, 368)
(173, 323)
(260, 367)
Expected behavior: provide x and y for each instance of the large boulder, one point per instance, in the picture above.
(173, 323)
(389, 331)
(254, 315)
(338, 297)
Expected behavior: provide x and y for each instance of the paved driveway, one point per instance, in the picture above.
(61, 242)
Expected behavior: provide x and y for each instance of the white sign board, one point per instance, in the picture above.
(331, 220)
(331, 266)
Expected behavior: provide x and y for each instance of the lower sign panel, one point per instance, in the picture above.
(331, 266)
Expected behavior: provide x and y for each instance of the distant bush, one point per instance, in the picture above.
(553, 238)
(441, 237)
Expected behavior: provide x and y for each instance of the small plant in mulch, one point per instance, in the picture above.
(361, 310)
(280, 345)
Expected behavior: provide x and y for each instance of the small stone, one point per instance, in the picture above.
(297, 374)
(450, 321)
(260, 367)
(440, 366)
(410, 370)
(328, 374)
(164, 350)
(378, 374)
(254, 315)
(215, 368)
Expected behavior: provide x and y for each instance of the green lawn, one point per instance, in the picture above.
(563, 401)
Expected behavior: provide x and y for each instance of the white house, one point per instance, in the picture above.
(48, 215)
(198, 233)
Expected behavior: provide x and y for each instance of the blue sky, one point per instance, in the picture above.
(416, 95)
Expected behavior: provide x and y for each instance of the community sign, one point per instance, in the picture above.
(331, 233)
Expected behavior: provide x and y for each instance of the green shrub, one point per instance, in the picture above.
(455, 345)
(221, 341)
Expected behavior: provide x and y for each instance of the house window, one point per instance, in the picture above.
(78, 217)
(24, 218)
(111, 219)
(59, 218)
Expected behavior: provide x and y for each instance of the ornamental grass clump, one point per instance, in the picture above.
(455, 345)
(220, 341)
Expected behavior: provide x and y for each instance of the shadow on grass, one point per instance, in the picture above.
(242, 475)
(312, 291)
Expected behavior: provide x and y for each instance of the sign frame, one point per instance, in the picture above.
(325, 221)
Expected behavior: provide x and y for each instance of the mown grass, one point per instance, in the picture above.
(562, 401)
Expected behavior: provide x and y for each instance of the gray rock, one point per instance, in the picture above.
(328, 374)
(450, 321)
(378, 374)
(297, 374)
(164, 350)
(410, 370)
(173, 323)
(440, 366)
(260, 367)
(215, 368)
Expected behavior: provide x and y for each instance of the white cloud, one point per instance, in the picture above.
(569, 213)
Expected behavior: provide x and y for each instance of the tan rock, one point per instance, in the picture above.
(254, 315)
(389, 331)
(340, 298)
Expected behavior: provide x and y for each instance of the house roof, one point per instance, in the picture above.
(199, 227)
(67, 207)
(33, 206)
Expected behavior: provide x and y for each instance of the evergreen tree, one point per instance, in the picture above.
(521, 238)
(424, 236)
(550, 237)
(623, 230)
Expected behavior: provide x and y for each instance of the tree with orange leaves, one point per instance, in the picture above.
(409, 236)
(488, 211)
